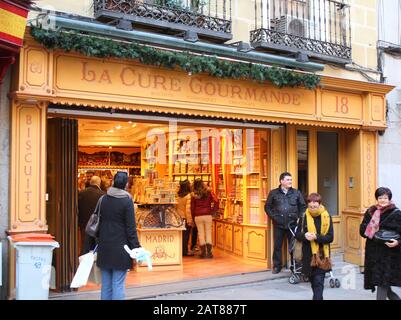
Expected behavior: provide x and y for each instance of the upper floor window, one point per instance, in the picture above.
(318, 28)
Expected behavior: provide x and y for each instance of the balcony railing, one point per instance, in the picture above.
(318, 28)
(208, 18)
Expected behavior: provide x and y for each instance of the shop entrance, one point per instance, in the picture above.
(232, 159)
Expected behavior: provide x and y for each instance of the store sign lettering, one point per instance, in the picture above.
(159, 239)
(369, 167)
(211, 88)
(132, 77)
(342, 105)
(27, 157)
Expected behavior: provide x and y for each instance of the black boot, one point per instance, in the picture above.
(203, 251)
(209, 251)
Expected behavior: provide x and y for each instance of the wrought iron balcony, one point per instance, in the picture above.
(318, 28)
(208, 18)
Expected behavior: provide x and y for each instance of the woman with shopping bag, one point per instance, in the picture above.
(117, 228)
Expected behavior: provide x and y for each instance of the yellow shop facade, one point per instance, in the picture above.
(64, 104)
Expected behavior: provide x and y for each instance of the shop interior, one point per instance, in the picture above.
(232, 161)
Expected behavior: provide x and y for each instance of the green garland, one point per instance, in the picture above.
(90, 45)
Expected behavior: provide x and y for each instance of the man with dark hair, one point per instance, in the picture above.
(87, 200)
(89, 175)
(284, 206)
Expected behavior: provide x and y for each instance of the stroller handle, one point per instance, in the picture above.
(293, 225)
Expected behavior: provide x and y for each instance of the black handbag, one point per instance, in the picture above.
(92, 227)
(386, 235)
(383, 235)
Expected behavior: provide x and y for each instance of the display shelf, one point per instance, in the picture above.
(108, 167)
(189, 153)
(191, 174)
(245, 173)
(157, 203)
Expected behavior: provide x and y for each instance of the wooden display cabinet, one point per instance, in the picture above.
(228, 237)
(243, 230)
(238, 240)
(220, 235)
(165, 245)
(189, 160)
(255, 243)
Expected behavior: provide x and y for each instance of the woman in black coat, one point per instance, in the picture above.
(315, 230)
(117, 228)
(382, 260)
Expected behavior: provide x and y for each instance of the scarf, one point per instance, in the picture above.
(118, 193)
(324, 264)
(374, 224)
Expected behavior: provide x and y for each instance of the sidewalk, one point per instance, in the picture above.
(280, 289)
(255, 285)
(150, 291)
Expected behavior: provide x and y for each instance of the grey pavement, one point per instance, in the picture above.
(262, 285)
(279, 289)
(350, 277)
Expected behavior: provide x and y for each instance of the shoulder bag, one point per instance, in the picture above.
(92, 227)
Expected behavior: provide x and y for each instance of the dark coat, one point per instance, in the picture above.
(87, 200)
(117, 228)
(306, 246)
(382, 264)
(285, 209)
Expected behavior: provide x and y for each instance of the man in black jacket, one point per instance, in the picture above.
(284, 206)
(87, 200)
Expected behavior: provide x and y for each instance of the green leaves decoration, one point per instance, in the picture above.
(90, 45)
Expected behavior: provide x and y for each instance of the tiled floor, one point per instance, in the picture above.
(194, 267)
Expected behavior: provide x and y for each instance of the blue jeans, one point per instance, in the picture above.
(113, 284)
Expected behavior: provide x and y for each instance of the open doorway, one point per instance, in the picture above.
(233, 161)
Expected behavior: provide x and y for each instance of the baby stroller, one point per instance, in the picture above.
(295, 267)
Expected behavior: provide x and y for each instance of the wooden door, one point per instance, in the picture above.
(62, 197)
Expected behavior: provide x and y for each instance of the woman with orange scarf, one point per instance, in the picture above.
(315, 230)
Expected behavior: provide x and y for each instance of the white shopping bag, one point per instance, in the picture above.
(85, 266)
(95, 275)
